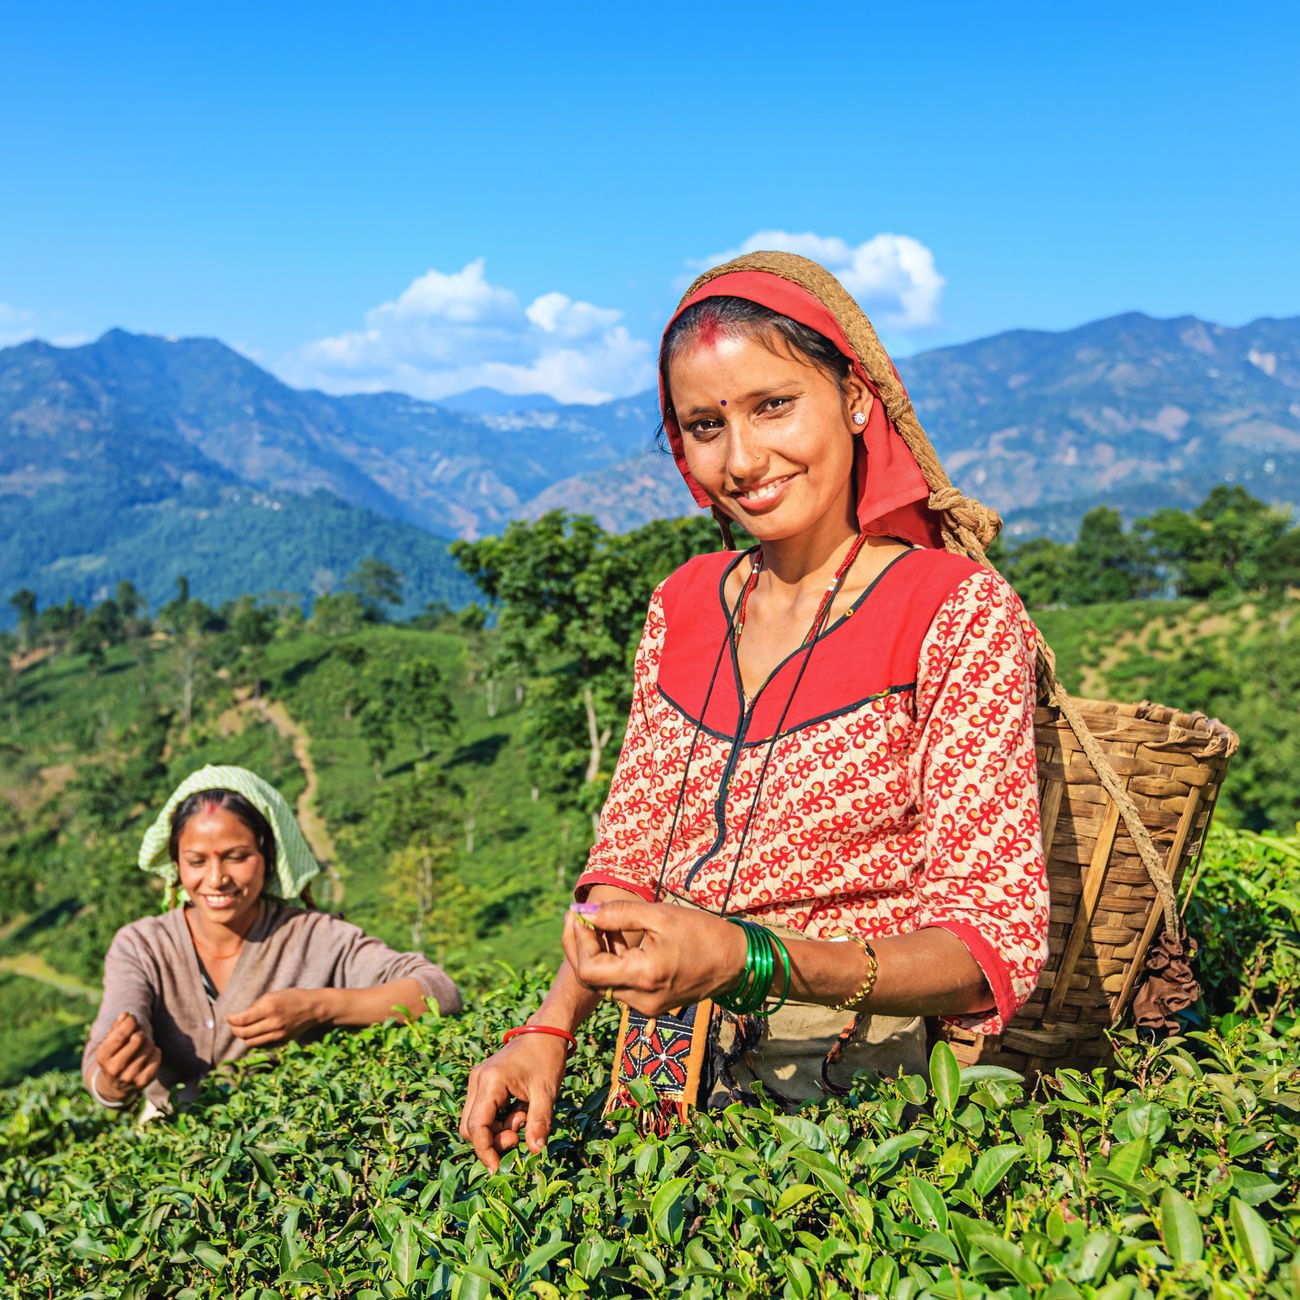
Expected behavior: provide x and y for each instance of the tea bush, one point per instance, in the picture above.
(338, 1172)
(1245, 912)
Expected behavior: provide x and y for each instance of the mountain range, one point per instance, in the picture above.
(141, 457)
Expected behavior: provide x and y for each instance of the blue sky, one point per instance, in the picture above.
(401, 195)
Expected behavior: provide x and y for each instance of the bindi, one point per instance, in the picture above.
(724, 401)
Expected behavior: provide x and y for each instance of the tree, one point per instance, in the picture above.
(572, 600)
(419, 700)
(376, 726)
(1039, 570)
(252, 628)
(1106, 563)
(104, 625)
(376, 584)
(408, 818)
(1280, 563)
(128, 599)
(57, 624)
(337, 615)
(408, 695)
(24, 602)
(1226, 544)
(349, 687)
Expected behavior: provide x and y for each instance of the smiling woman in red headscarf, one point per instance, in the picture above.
(823, 825)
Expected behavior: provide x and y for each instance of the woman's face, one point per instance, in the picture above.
(768, 435)
(220, 866)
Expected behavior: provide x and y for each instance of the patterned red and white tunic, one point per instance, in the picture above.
(901, 789)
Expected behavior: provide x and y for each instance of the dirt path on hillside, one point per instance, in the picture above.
(32, 966)
(309, 818)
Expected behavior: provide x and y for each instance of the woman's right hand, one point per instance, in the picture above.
(514, 1089)
(127, 1058)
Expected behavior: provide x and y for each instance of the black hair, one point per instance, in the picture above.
(741, 318)
(232, 802)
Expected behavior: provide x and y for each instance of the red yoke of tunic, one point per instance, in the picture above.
(901, 791)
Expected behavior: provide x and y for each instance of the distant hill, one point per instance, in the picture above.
(112, 450)
(487, 401)
(1129, 411)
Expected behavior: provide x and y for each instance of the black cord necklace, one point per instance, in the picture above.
(731, 640)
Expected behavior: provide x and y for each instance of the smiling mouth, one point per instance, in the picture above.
(763, 492)
(219, 900)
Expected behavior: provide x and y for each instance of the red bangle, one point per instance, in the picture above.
(544, 1029)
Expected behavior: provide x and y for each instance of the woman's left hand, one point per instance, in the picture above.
(278, 1016)
(683, 956)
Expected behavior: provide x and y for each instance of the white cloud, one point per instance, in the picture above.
(893, 277)
(16, 325)
(450, 332)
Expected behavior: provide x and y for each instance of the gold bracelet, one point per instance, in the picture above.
(855, 1000)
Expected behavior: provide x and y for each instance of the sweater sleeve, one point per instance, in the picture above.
(984, 878)
(128, 986)
(630, 838)
(361, 961)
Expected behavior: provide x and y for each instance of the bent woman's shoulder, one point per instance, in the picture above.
(312, 923)
(144, 933)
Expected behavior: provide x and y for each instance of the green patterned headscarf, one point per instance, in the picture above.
(294, 863)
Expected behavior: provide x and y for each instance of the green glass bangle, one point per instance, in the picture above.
(740, 990)
(734, 999)
(754, 986)
(749, 995)
(785, 987)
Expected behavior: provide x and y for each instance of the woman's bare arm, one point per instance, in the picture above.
(686, 955)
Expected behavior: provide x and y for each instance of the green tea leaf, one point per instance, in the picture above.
(1180, 1228)
(927, 1201)
(1147, 1119)
(798, 1129)
(984, 1073)
(1251, 1234)
(991, 1168)
(1254, 1188)
(404, 1254)
(1129, 1159)
(945, 1077)
(939, 1243)
(1009, 1257)
(793, 1195)
(1097, 1255)
(667, 1209)
(888, 1151)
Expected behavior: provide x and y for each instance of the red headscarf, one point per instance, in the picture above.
(892, 493)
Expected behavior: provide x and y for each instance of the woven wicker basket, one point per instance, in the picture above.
(1105, 909)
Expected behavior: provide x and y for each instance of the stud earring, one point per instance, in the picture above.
(859, 419)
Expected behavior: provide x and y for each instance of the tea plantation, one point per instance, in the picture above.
(338, 1171)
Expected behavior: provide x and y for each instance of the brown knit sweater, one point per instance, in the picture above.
(152, 970)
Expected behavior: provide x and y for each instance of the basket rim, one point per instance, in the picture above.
(1196, 728)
